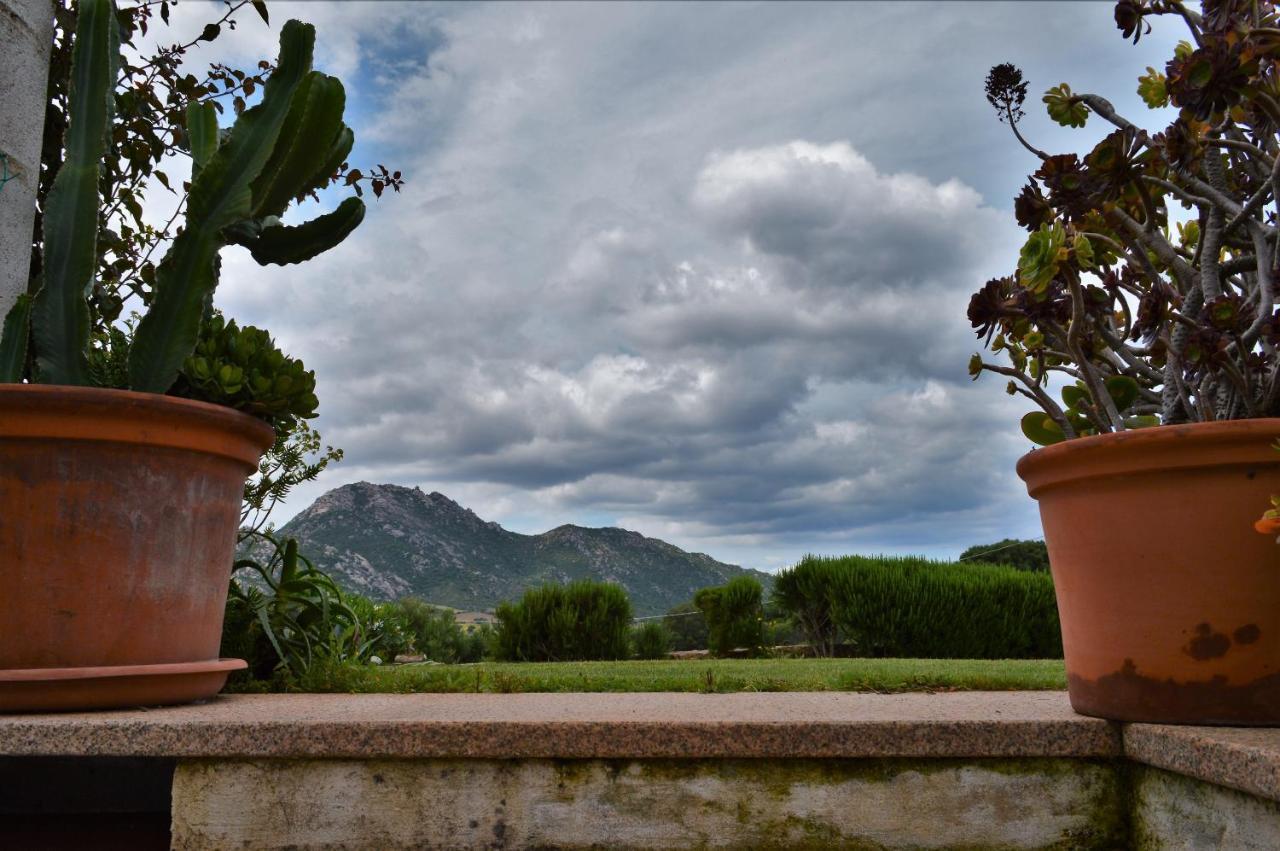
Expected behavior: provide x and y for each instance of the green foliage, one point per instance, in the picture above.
(555, 623)
(288, 614)
(651, 640)
(1024, 555)
(1081, 412)
(1152, 89)
(806, 592)
(234, 196)
(687, 627)
(295, 458)
(916, 608)
(1103, 289)
(436, 635)
(1041, 256)
(381, 631)
(243, 369)
(1064, 108)
(291, 144)
(735, 615)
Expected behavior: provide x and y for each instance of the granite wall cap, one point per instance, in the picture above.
(1243, 758)
(579, 726)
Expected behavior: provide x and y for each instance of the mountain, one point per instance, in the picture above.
(387, 541)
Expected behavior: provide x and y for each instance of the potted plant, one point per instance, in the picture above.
(123, 458)
(1145, 300)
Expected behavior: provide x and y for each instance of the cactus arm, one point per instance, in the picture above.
(338, 152)
(202, 133)
(13, 340)
(220, 195)
(281, 244)
(315, 118)
(60, 324)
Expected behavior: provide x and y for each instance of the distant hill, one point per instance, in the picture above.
(387, 541)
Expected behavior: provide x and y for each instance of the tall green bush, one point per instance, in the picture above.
(806, 592)
(558, 623)
(1024, 555)
(651, 641)
(917, 608)
(735, 615)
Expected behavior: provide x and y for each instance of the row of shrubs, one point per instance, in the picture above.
(917, 608)
(853, 605)
(293, 615)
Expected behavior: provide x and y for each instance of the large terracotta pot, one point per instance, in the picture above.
(118, 516)
(1169, 599)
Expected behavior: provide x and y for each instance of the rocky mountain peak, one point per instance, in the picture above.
(389, 541)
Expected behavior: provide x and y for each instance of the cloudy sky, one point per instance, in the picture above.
(695, 270)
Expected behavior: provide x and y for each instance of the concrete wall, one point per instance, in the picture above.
(1172, 812)
(860, 804)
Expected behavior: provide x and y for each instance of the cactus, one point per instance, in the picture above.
(278, 150)
(60, 318)
(243, 180)
(13, 340)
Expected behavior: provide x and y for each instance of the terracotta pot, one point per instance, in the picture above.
(118, 516)
(1169, 599)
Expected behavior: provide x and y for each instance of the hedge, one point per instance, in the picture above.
(918, 608)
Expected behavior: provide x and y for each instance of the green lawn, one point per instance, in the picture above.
(717, 675)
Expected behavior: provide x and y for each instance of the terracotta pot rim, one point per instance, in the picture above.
(1186, 445)
(127, 416)
(28, 675)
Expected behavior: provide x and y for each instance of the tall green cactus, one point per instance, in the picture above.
(60, 318)
(286, 146)
(278, 150)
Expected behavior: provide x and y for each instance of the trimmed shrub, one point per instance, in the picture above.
(806, 593)
(559, 623)
(735, 615)
(1024, 555)
(650, 641)
(917, 608)
(687, 627)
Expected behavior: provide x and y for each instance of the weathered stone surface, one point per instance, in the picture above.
(465, 804)
(1176, 813)
(577, 726)
(26, 31)
(1247, 759)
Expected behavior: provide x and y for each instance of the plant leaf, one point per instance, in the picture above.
(1040, 428)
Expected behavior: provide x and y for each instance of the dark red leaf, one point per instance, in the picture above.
(260, 6)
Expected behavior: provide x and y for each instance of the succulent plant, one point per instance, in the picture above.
(243, 180)
(241, 368)
(1149, 316)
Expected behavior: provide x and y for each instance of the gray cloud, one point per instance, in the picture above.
(697, 270)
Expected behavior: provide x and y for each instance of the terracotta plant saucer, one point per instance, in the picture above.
(63, 689)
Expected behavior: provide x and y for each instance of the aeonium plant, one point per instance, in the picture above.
(1147, 280)
(243, 179)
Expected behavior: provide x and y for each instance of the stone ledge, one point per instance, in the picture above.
(795, 725)
(1247, 759)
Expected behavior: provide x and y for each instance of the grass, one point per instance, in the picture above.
(713, 675)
